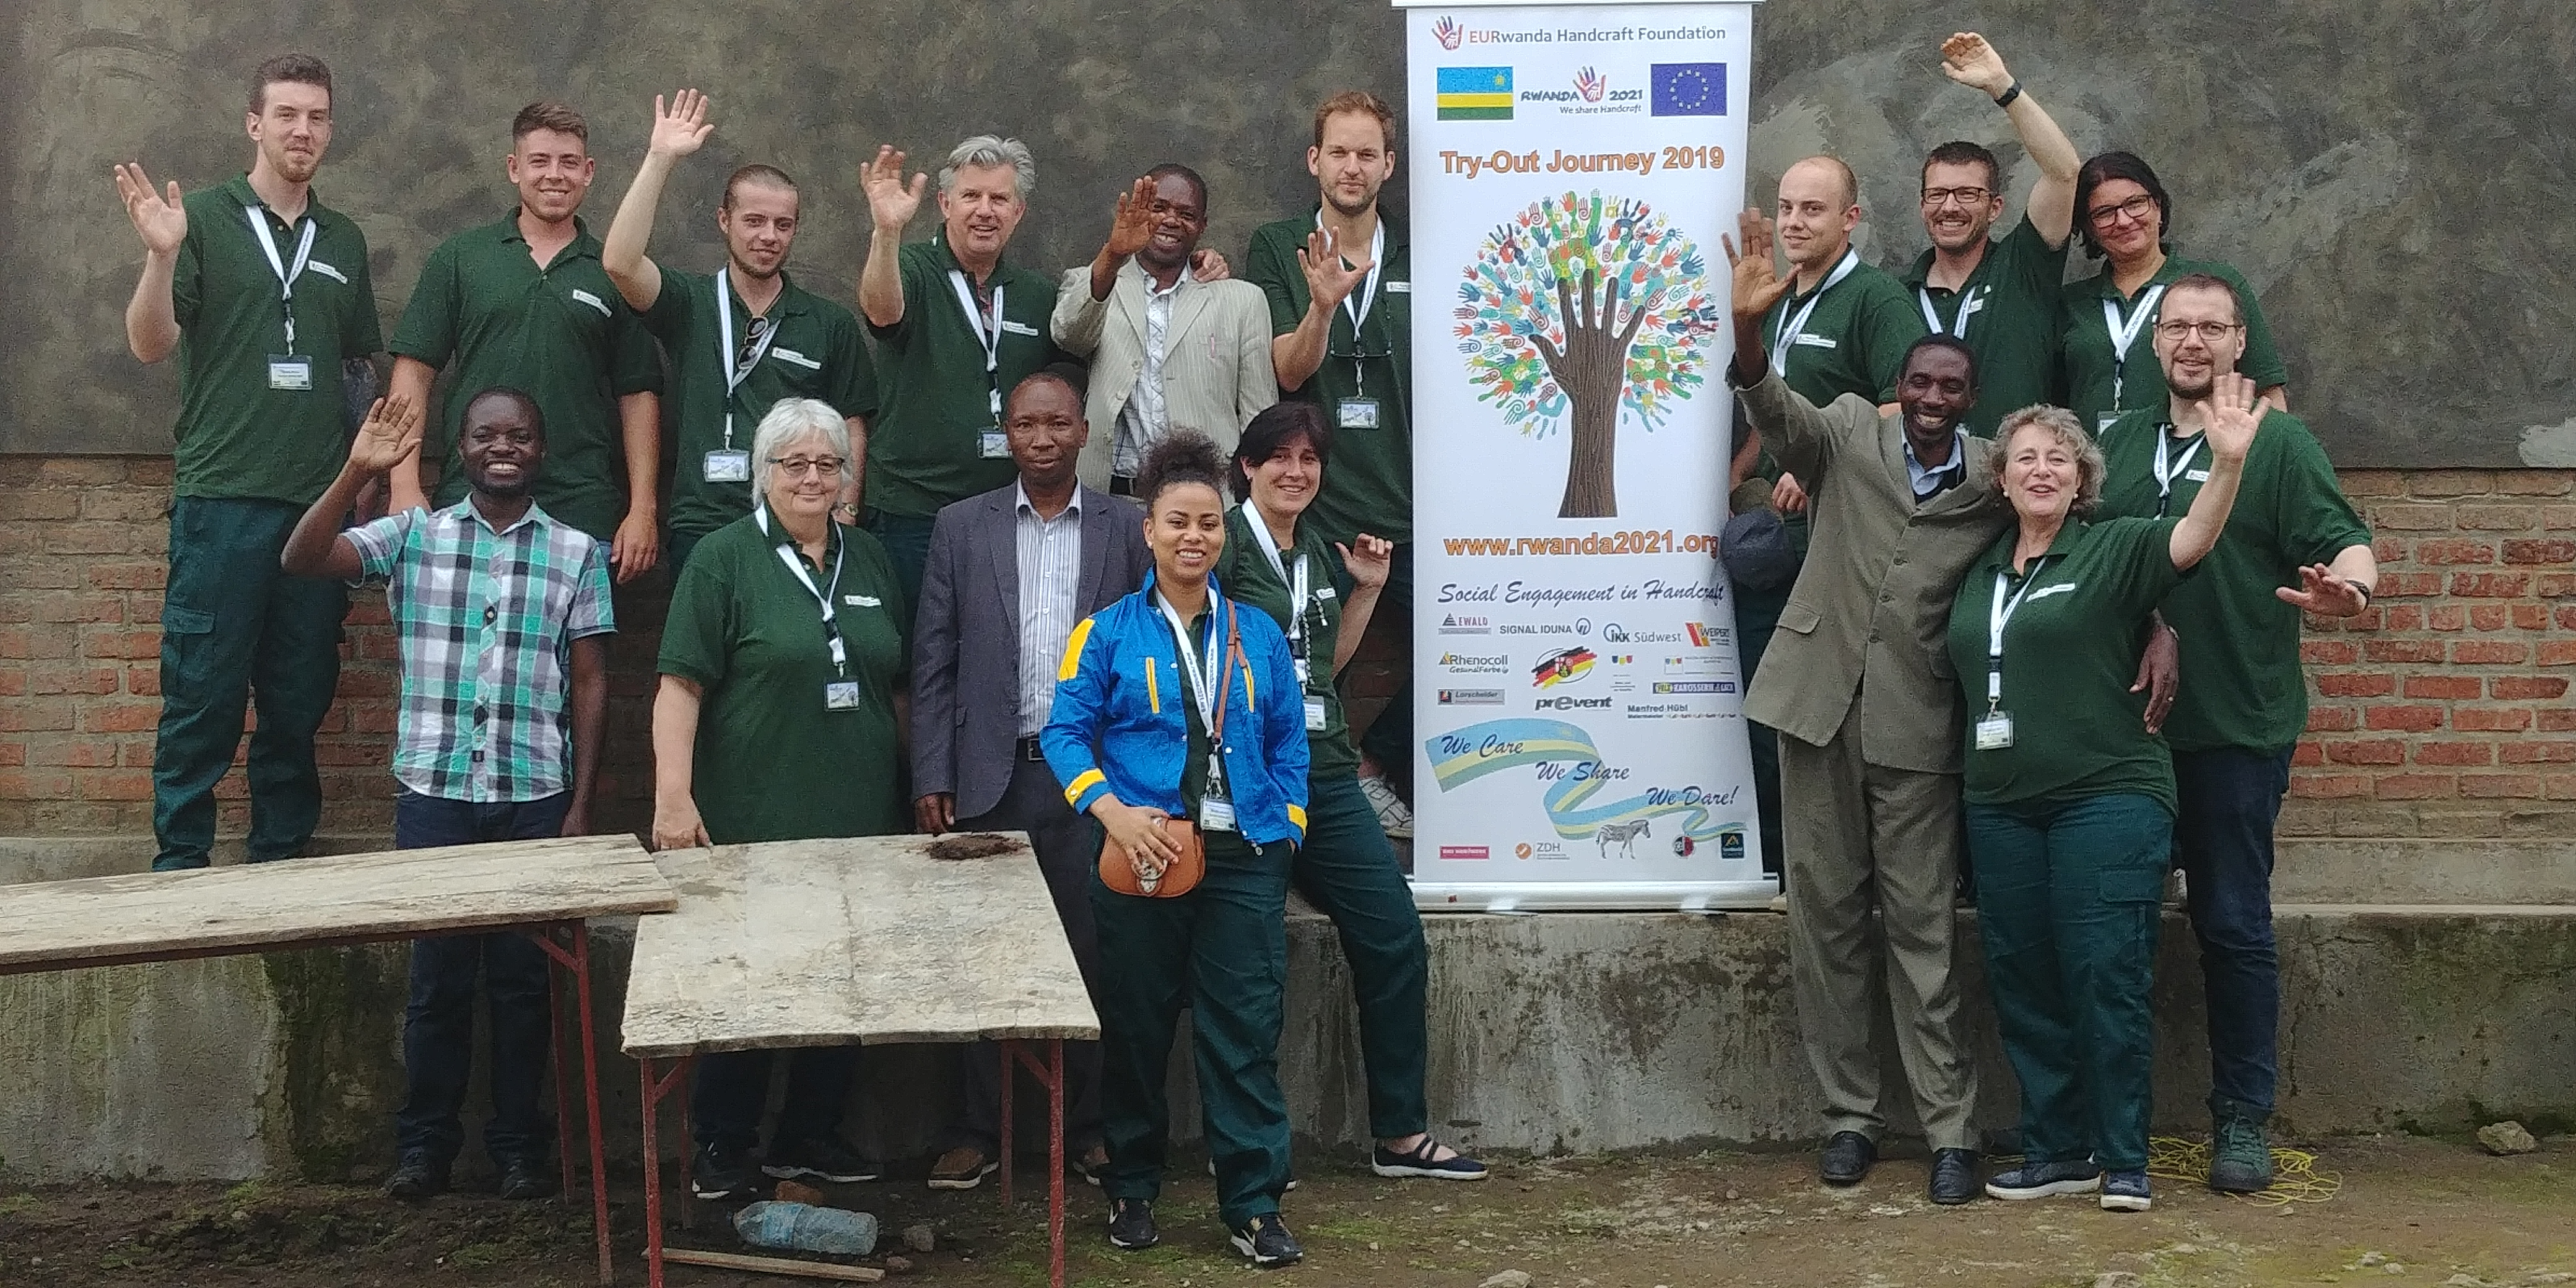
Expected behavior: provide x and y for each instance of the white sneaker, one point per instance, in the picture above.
(1392, 814)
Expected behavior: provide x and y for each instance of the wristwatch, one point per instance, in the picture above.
(845, 512)
(2011, 92)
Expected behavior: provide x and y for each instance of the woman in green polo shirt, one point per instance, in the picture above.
(2070, 800)
(781, 717)
(1322, 593)
(2122, 213)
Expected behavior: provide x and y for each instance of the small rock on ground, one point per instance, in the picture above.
(1508, 1279)
(792, 1192)
(919, 1238)
(2506, 1137)
(898, 1265)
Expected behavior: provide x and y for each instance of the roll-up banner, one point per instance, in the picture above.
(1578, 700)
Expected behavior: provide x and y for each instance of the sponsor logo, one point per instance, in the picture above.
(1622, 659)
(1475, 663)
(1591, 85)
(1542, 628)
(1694, 686)
(1572, 704)
(1521, 851)
(1683, 845)
(1455, 624)
(1563, 666)
(1471, 697)
(1693, 665)
(1615, 633)
(1474, 93)
(1686, 89)
(1730, 843)
(1448, 33)
(1465, 852)
(1700, 636)
(1541, 850)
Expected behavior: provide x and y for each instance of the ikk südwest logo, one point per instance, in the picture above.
(1681, 89)
(1475, 93)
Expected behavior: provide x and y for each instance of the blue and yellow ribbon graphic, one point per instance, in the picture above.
(1465, 755)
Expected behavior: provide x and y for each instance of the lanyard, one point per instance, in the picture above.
(1201, 695)
(822, 594)
(286, 274)
(1360, 303)
(2167, 473)
(990, 338)
(1294, 579)
(1793, 327)
(736, 371)
(1969, 302)
(1998, 612)
(2125, 334)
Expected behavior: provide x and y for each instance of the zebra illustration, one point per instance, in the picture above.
(1623, 835)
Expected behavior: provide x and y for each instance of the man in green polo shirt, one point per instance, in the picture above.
(263, 293)
(768, 339)
(2292, 544)
(957, 326)
(1997, 293)
(524, 304)
(1340, 283)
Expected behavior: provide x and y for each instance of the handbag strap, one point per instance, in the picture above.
(1233, 658)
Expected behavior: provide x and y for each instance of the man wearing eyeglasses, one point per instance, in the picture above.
(1997, 293)
(2293, 545)
(740, 339)
(1166, 346)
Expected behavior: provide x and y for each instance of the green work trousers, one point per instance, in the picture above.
(2070, 897)
(1348, 871)
(1222, 951)
(234, 630)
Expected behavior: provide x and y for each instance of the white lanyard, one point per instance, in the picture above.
(1793, 327)
(735, 371)
(286, 274)
(1294, 580)
(2166, 474)
(990, 337)
(1970, 300)
(822, 594)
(1359, 303)
(1998, 612)
(2124, 334)
(1201, 695)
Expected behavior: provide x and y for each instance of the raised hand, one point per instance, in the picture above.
(1133, 224)
(2229, 415)
(2321, 591)
(390, 435)
(1368, 558)
(162, 221)
(1758, 284)
(1208, 265)
(1328, 283)
(681, 128)
(890, 203)
(1969, 60)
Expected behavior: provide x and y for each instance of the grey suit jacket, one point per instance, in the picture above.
(1870, 615)
(966, 635)
(1216, 357)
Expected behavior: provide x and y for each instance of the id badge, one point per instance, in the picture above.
(1355, 413)
(2103, 422)
(289, 372)
(1305, 670)
(996, 445)
(1314, 715)
(841, 695)
(727, 465)
(1994, 731)
(1216, 814)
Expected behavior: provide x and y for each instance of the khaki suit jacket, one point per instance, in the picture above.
(1866, 625)
(1216, 357)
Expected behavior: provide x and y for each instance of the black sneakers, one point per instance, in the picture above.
(823, 1157)
(1131, 1225)
(719, 1173)
(415, 1177)
(1265, 1242)
(526, 1178)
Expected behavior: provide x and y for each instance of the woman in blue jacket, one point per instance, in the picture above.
(1143, 683)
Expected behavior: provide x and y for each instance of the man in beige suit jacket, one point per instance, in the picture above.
(1167, 350)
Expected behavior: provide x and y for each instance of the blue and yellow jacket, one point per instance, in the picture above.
(1120, 722)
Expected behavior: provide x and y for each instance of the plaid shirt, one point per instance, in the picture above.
(486, 622)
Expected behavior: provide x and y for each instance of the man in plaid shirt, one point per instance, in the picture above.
(503, 615)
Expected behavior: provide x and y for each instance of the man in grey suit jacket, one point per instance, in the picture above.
(1010, 573)
(1167, 349)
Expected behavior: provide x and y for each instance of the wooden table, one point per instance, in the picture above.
(543, 889)
(865, 941)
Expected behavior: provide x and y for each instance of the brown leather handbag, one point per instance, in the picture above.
(1118, 868)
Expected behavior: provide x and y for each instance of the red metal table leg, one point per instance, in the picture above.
(1010, 1050)
(590, 1099)
(557, 997)
(654, 1090)
(1055, 1156)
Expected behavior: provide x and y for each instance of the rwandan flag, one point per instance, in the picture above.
(1475, 93)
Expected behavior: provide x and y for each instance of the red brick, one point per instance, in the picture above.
(2307, 755)
(73, 753)
(2520, 786)
(2558, 653)
(2530, 617)
(2397, 650)
(2491, 719)
(137, 644)
(2454, 550)
(2455, 753)
(121, 717)
(2558, 719)
(143, 681)
(2497, 518)
(77, 607)
(2516, 687)
(36, 715)
(2441, 687)
(2562, 787)
(2488, 653)
(2490, 585)
(48, 641)
(2567, 619)
(2409, 719)
(2329, 653)
(13, 754)
(2399, 517)
(2490, 617)
(2413, 787)
(129, 576)
(2535, 482)
(126, 505)
(71, 679)
(35, 785)
(19, 505)
(2449, 483)
(2330, 785)
(2554, 585)
(90, 537)
(2539, 751)
(2448, 617)
(2371, 482)
(2409, 584)
(2557, 550)
(2357, 684)
(2405, 617)
(2332, 720)
(2370, 751)
(85, 470)
(2558, 518)
(148, 471)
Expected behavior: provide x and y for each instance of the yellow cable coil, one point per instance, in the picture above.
(2295, 1178)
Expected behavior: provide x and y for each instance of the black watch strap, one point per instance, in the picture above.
(2011, 92)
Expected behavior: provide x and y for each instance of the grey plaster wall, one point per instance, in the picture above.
(2390, 173)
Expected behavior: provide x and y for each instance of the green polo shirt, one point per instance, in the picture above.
(2070, 654)
(1855, 341)
(1245, 573)
(815, 352)
(926, 450)
(1370, 486)
(2012, 325)
(237, 437)
(2241, 682)
(773, 763)
(2092, 370)
(559, 334)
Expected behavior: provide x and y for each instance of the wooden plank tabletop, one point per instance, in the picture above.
(344, 897)
(863, 939)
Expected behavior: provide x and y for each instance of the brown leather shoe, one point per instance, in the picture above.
(1092, 1163)
(962, 1168)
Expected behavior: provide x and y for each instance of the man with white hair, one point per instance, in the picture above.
(956, 327)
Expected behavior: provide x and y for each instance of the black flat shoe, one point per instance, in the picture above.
(1847, 1159)
(1954, 1177)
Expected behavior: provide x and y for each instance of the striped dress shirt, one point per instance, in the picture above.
(1050, 564)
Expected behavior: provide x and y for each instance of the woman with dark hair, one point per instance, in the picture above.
(1177, 724)
(1322, 593)
(2123, 214)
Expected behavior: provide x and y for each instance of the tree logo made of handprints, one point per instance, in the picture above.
(1576, 309)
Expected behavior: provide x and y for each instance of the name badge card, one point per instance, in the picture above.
(1216, 814)
(841, 695)
(1994, 731)
(1355, 413)
(996, 445)
(727, 465)
(289, 372)
(1314, 715)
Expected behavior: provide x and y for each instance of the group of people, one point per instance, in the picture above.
(946, 578)
(2050, 614)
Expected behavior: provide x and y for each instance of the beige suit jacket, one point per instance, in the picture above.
(1868, 621)
(1216, 357)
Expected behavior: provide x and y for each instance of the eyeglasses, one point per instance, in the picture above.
(2213, 332)
(1935, 198)
(2135, 208)
(801, 466)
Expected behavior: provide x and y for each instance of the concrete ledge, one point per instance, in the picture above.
(2395, 871)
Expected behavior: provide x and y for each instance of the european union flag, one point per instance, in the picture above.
(1689, 89)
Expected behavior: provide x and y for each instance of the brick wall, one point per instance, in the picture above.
(2442, 711)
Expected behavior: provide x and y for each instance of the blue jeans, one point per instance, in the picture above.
(906, 538)
(2223, 841)
(438, 1026)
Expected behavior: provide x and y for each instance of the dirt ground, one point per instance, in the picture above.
(2408, 1211)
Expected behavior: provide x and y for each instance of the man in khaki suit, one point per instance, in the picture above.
(1168, 349)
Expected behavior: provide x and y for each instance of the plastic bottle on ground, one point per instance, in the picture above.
(802, 1227)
